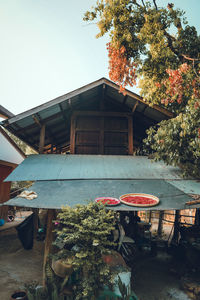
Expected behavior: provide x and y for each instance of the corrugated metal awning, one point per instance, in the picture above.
(55, 194)
(67, 167)
(77, 179)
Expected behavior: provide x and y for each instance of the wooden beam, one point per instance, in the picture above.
(175, 237)
(48, 131)
(42, 139)
(197, 217)
(135, 106)
(101, 113)
(160, 222)
(43, 121)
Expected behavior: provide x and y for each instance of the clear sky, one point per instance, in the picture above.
(47, 49)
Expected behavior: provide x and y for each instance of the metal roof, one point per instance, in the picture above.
(55, 194)
(5, 113)
(77, 179)
(56, 114)
(68, 167)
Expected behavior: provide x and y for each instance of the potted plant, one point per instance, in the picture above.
(83, 233)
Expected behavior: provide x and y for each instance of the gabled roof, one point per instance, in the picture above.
(55, 114)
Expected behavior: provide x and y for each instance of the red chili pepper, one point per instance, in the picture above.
(139, 200)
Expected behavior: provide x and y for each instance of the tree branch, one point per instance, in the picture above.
(154, 1)
(190, 58)
(170, 40)
(135, 2)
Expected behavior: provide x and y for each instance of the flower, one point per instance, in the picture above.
(95, 243)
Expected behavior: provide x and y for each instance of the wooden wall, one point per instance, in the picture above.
(100, 132)
(4, 189)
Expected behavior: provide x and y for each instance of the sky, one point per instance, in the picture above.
(47, 50)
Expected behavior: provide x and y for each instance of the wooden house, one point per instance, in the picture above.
(101, 129)
(10, 157)
(94, 119)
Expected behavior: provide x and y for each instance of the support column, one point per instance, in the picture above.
(175, 238)
(150, 215)
(41, 150)
(49, 238)
(160, 222)
(42, 139)
(197, 217)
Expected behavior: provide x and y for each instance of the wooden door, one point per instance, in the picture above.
(101, 133)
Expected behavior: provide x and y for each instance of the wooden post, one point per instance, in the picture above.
(197, 217)
(42, 139)
(150, 215)
(160, 222)
(49, 238)
(175, 237)
(41, 149)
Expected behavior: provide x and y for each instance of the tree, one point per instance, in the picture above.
(157, 48)
(87, 228)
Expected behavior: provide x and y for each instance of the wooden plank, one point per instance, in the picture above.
(197, 217)
(105, 130)
(130, 136)
(42, 139)
(73, 134)
(175, 237)
(160, 222)
(101, 113)
(51, 214)
(115, 123)
(8, 164)
(35, 221)
(135, 106)
(48, 132)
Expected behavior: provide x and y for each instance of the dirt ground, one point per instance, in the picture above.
(17, 265)
(152, 277)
